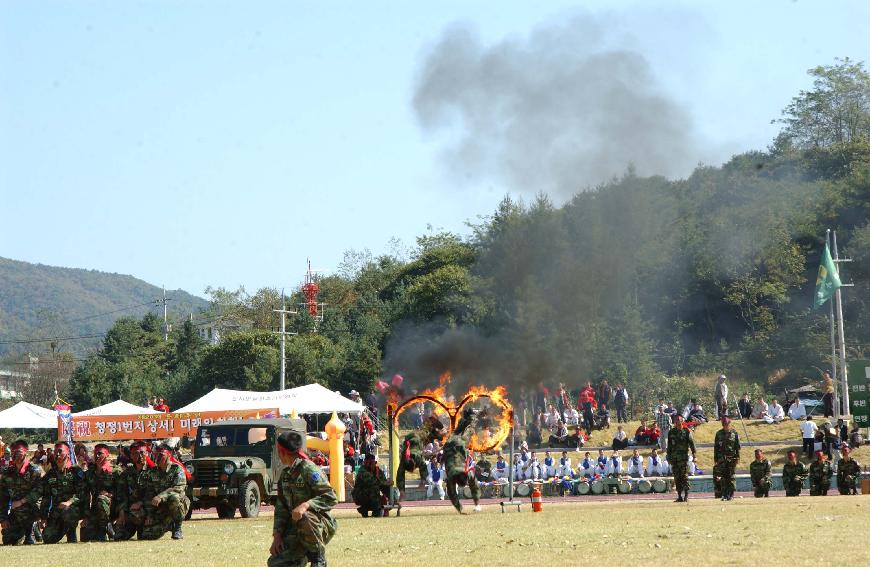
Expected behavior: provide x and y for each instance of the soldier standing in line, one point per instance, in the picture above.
(130, 493)
(759, 471)
(726, 454)
(820, 475)
(793, 474)
(63, 488)
(303, 525)
(680, 442)
(100, 482)
(166, 503)
(20, 493)
(370, 488)
(848, 473)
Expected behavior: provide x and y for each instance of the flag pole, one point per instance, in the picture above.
(843, 371)
(833, 342)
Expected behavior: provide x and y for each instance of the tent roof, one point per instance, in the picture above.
(118, 407)
(28, 416)
(311, 398)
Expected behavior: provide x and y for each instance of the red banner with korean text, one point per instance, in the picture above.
(151, 425)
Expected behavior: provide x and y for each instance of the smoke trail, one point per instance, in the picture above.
(559, 111)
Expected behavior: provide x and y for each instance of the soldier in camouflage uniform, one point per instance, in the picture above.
(100, 483)
(303, 525)
(680, 442)
(848, 473)
(411, 450)
(726, 454)
(820, 475)
(164, 495)
(130, 493)
(20, 493)
(793, 474)
(456, 463)
(63, 489)
(370, 488)
(759, 472)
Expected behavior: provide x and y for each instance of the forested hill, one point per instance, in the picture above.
(38, 301)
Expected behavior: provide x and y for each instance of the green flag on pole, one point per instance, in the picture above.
(828, 280)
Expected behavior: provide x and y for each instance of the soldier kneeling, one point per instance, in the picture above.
(166, 503)
(370, 488)
(61, 508)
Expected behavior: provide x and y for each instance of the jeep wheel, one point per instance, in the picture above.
(225, 510)
(249, 500)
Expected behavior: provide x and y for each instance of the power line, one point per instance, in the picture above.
(50, 339)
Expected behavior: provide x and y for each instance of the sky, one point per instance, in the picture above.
(209, 143)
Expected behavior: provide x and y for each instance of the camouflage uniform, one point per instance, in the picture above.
(680, 442)
(820, 478)
(15, 486)
(793, 476)
(170, 486)
(61, 485)
(456, 472)
(130, 489)
(368, 488)
(759, 471)
(100, 505)
(303, 482)
(726, 453)
(848, 473)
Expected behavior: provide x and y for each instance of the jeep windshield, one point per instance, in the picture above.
(230, 440)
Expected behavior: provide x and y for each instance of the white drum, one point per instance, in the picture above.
(659, 485)
(624, 487)
(524, 489)
(583, 487)
(644, 486)
(599, 486)
(466, 491)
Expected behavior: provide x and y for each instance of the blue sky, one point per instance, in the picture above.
(222, 143)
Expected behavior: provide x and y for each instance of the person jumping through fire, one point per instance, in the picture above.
(411, 454)
(456, 461)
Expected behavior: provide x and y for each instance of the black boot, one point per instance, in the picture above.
(317, 559)
(71, 536)
(110, 531)
(176, 531)
(686, 495)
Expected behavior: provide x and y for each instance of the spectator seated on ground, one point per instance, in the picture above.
(586, 467)
(760, 409)
(744, 407)
(572, 416)
(519, 468)
(601, 419)
(635, 465)
(533, 433)
(775, 412)
(647, 434)
(559, 435)
(614, 465)
(483, 469)
(620, 439)
(551, 418)
(656, 465)
(692, 466)
(797, 410)
(532, 468)
(431, 449)
(697, 414)
(548, 466)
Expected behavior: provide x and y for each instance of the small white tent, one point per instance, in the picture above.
(28, 416)
(118, 407)
(311, 398)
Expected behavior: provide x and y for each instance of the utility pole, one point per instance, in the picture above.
(833, 342)
(165, 321)
(283, 332)
(844, 373)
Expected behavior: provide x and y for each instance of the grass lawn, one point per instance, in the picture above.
(744, 532)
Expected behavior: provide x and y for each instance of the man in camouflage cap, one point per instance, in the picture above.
(303, 525)
(680, 442)
(793, 474)
(100, 485)
(165, 500)
(726, 454)
(820, 475)
(848, 473)
(62, 490)
(759, 472)
(20, 494)
(130, 493)
(370, 488)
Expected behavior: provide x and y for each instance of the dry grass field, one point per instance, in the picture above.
(628, 532)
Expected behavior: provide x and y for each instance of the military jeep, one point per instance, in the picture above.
(235, 465)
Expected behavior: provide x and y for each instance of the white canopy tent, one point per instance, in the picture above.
(28, 416)
(311, 398)
(118, 407)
